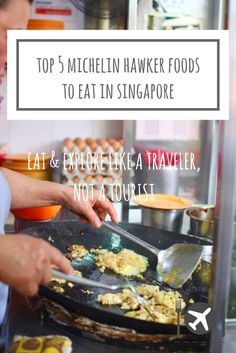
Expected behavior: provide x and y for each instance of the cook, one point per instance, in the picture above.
(25, 262)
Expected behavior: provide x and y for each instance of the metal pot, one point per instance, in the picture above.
(163, 211)
(201, 221)
(104, 14)
(163, 219)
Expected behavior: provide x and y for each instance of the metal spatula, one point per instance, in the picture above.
(111, 287)
(175, 265)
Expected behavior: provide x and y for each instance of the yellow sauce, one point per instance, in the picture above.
(162, 201)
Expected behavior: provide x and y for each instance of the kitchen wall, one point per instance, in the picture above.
(44, 136)
(25, 136)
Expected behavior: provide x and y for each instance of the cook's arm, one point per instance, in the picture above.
(26, 262)
(29, 192)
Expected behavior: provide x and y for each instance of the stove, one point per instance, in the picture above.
(40, 317)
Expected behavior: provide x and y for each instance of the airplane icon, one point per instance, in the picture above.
(204, 318)
(200, 318)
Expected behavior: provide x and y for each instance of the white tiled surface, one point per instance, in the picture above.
(29, 136)
(44, 136)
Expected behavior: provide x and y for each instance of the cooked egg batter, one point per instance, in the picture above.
(76, 252)
(161, 304)
(126, 262)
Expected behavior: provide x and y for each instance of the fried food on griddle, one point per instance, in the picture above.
(87, 291)
(76, 252)
(59, 281)
(160, 314)
(161, 297)
(58, 289)
(125, 299)
(77, 273)
(70, 284)
(161, 304)
(58, 284)
(126, 262)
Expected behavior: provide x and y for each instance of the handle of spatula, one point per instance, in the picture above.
(83, 281)
(123, 233)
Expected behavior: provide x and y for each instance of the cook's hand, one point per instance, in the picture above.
(26, 262)
(93, 208)
(28, 192)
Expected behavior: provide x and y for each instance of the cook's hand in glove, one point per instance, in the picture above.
(26, 262)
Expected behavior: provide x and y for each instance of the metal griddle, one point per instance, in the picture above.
(66, 233)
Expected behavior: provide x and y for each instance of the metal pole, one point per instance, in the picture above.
(129, 124)
(128, 144)
(225, 201)
(224, 235)
(209, 161)
(216, 14)
(132, 14)
(210, 134)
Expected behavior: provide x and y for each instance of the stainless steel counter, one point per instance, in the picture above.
(24, 321)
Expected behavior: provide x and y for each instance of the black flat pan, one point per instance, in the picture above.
(67, 233)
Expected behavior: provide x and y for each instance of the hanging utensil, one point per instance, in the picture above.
(175, 265)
